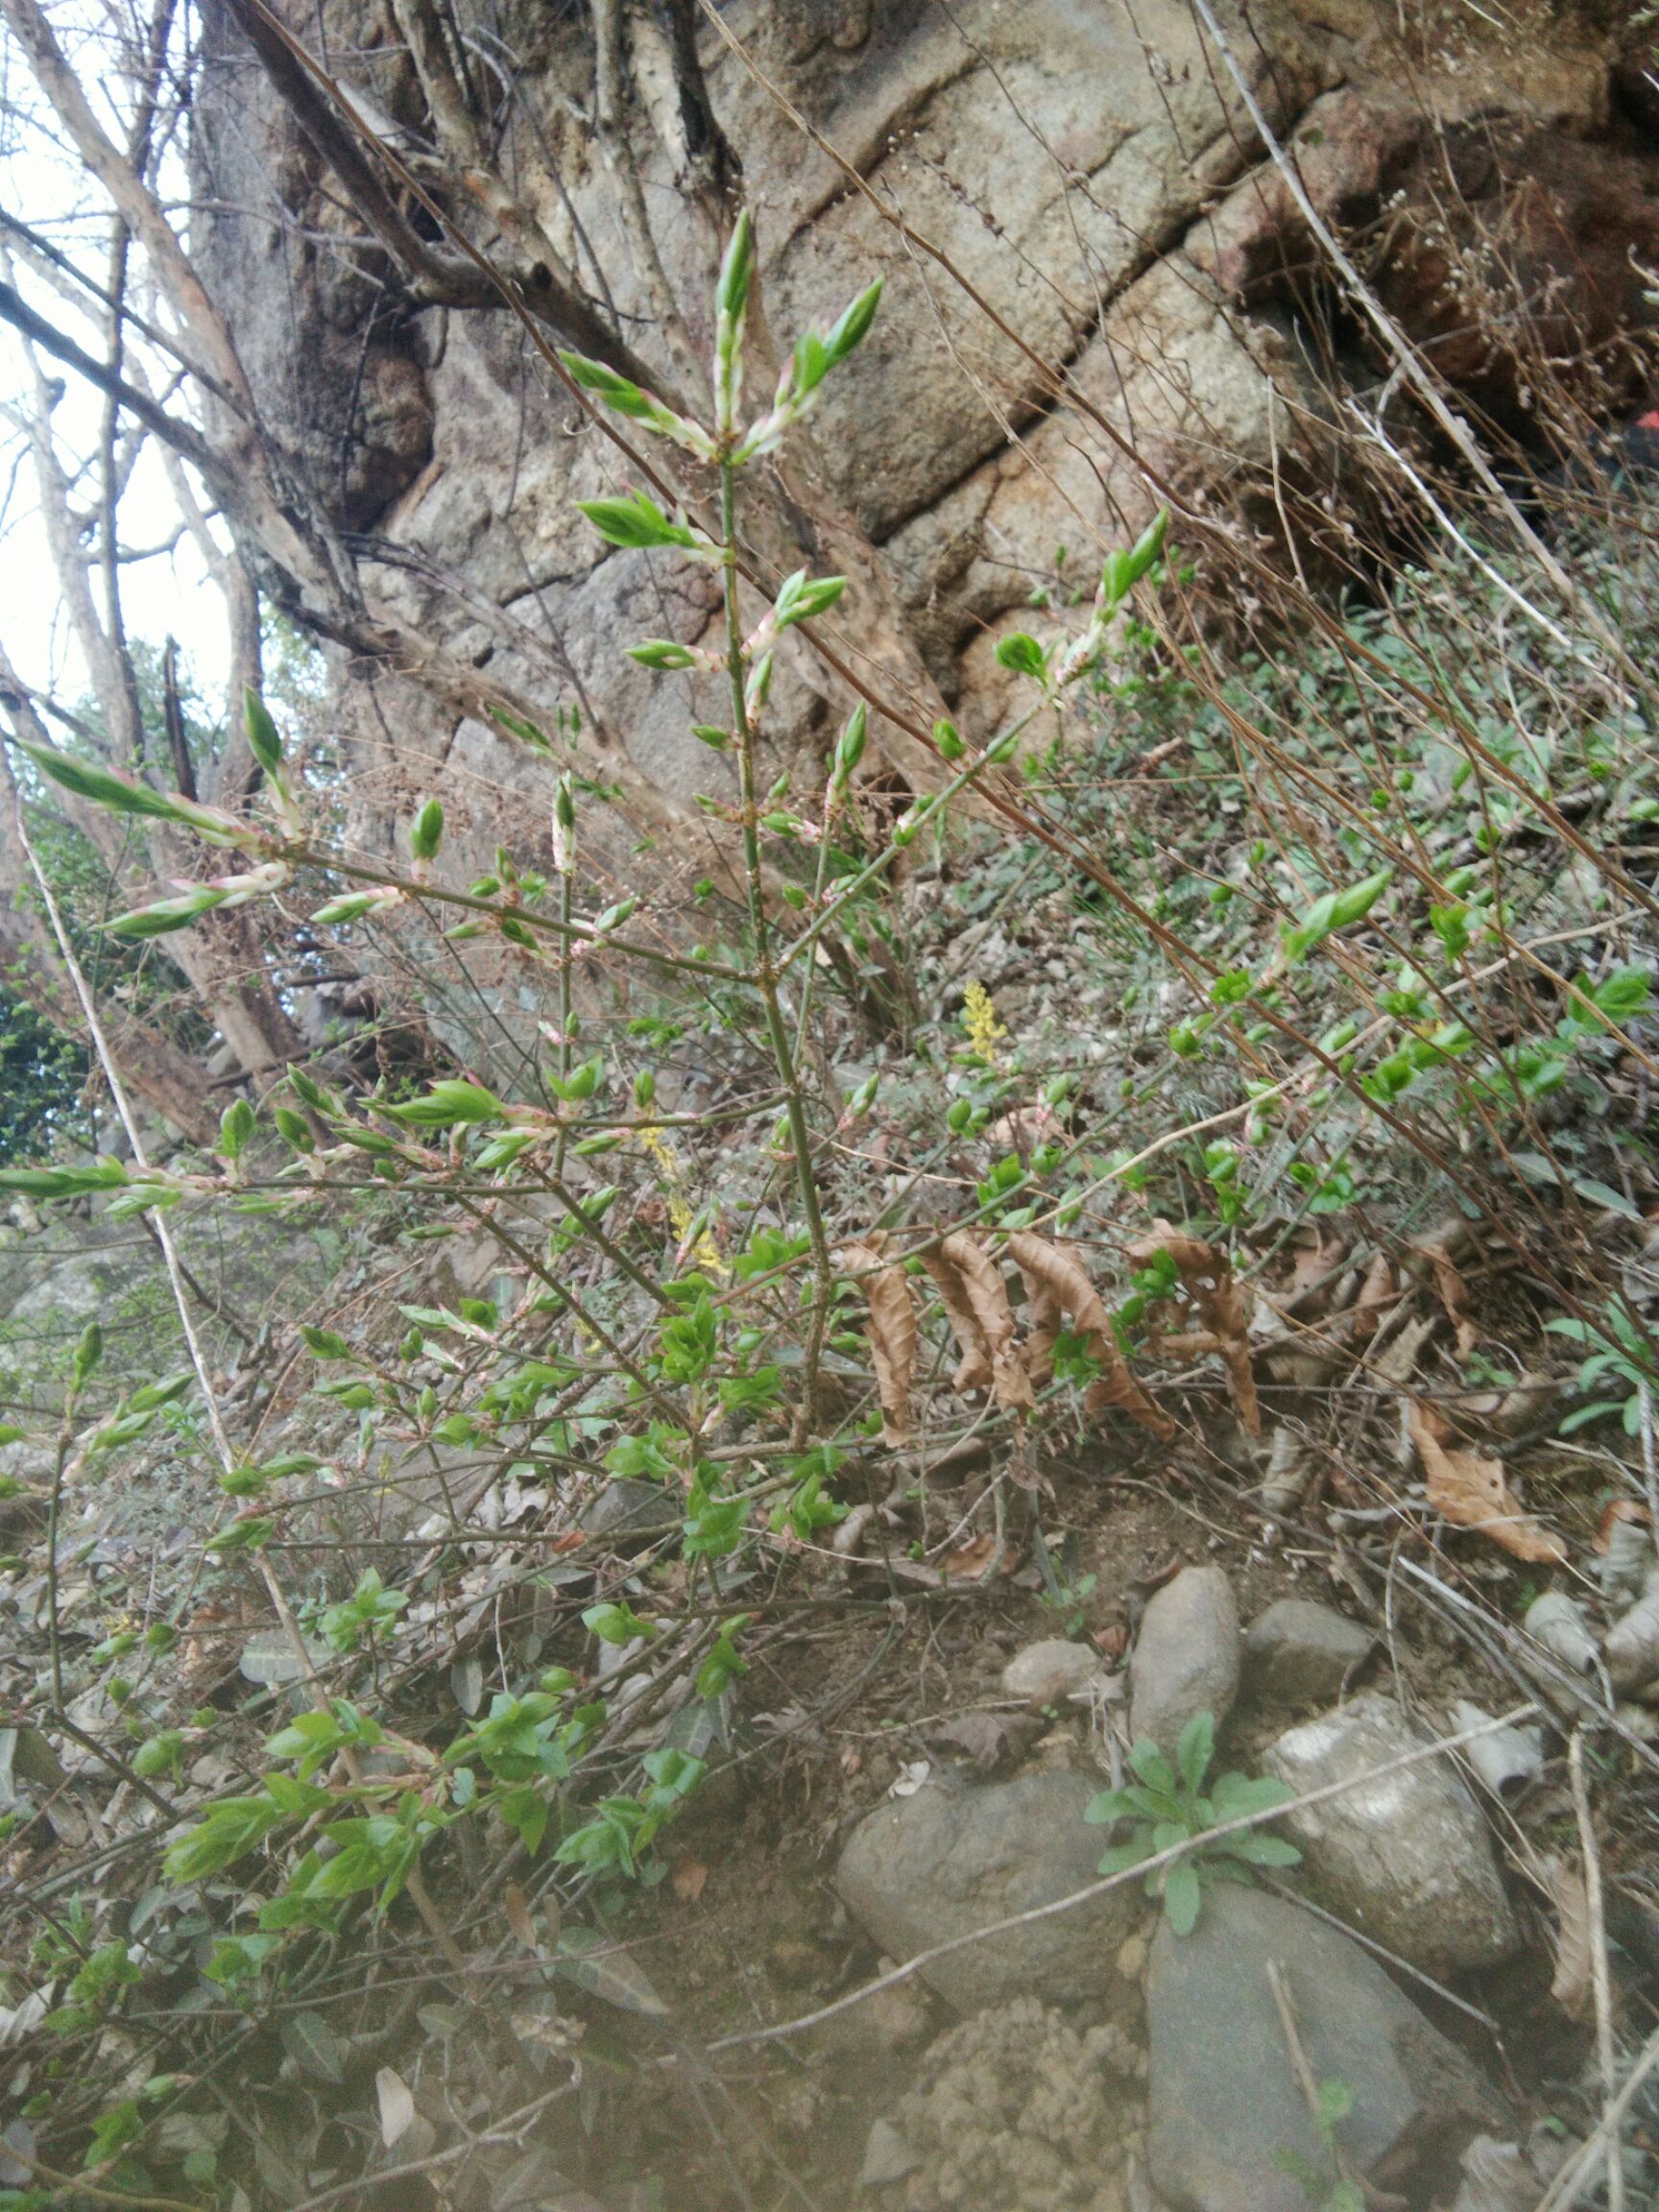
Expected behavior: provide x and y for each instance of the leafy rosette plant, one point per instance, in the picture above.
(1167, 1806)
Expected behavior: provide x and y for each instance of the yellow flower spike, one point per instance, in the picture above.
(979, 1018)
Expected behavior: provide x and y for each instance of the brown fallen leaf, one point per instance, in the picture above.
(1206, 1283)
(1375, 1296)
(970, 1561)
(516, 1906)
(1573, 1981)
(1314, 1263)
(1471, 1491)
(689, 1878)
(1615, 1511)
(1059, 1270)
(1452, 1294)
(891, 1334)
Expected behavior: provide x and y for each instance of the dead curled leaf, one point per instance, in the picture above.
(1375, 1296)
(974, 1368)
(987, 1296)
(1471, 1491)
(1615, 1511)
(1062, 1275)
(891, 1334)
(1207, 1283)
(516, 1906)
(1571, 1985)
(970, 1561)
(689, 1879)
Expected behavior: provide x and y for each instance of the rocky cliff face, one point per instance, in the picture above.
(1099, 295)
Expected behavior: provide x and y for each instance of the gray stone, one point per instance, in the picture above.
(887, 2156)
(1225, 2102)
(1044, 1674)
(1186, 1657)
(1405, 1858)
(270, 1660)
(1300, 1653)
(629, 1509)
(920, 1870)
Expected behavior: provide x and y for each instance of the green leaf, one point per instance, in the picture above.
(426, 831)
(122, 794)
(1183, 1896)
(105, 1173)
(1153, 1769)
(852, 325)
(1195, 1748)
(616, 391)
(1021, 653)
(1336, 910)
(1257, 1849)
(662, 653)
(636, 522)
(263, 740)
(731, 293)
(235, 1128)
(1149, 546)
(447, 1104)
(1122, 1856)
(1236, 1796)
(596, 1964)
(349, 907)
(800, 597)
(166, 914)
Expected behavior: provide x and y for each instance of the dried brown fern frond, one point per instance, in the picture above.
(890, 1333)
(1066, 1280)
(987, 1296)
(1045, 1318)
(974, 1369)
(1207, 1282)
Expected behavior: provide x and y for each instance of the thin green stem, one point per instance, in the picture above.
(765, 977)
(566, 962)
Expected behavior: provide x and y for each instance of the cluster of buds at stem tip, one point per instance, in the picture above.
(198, 898)
(816, 353)
(425, 835)
(1123, 571)
(848, 749)
(265, 744)
(800, 598)
(120, 794)
(731, 313)
(358, 905)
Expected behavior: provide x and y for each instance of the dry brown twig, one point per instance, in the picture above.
(1600, 1980)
